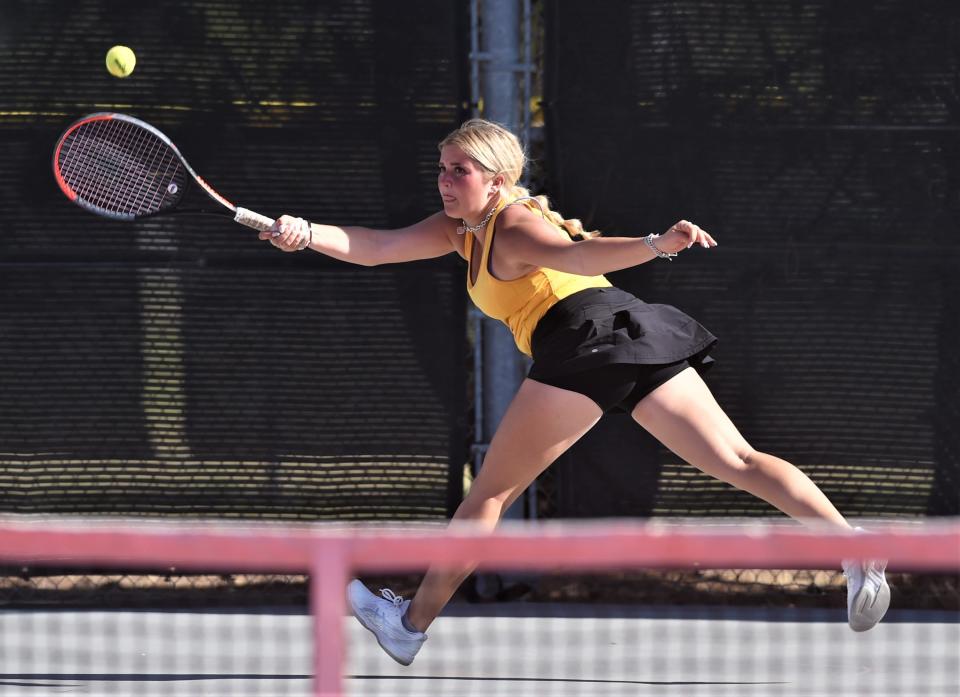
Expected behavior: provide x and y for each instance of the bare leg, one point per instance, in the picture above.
(684, 416)
(540, 424)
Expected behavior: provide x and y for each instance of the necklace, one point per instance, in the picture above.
(474, 229)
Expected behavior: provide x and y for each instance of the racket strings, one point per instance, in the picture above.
(141, 147)
(106, 189)
(92, 166)
(84, 174)
(135, 142)
(142, 144)
(149, 188)
(121, 168)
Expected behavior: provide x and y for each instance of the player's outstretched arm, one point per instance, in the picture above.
(527, 238)
(426, 239)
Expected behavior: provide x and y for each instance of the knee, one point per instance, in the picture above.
(743, 463)
(747, 459)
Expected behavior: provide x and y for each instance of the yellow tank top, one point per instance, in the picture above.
(521, 303)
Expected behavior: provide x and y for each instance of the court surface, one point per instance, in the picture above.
(514, 649)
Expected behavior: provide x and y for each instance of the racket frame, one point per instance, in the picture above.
(243, 216)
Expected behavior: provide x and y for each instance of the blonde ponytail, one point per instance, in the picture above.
(498, 151)
(573, 226)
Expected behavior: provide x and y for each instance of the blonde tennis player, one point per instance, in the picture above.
(595, 348)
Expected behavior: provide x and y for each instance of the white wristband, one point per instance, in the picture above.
(310, 229)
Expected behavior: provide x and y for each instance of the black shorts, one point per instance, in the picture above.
(610, 346)
(617, 386)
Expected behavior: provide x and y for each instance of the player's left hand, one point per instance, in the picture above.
(683, 235)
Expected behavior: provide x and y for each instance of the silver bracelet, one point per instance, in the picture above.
(661, 254)
(309, 241)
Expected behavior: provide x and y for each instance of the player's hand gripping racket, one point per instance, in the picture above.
(122, 168)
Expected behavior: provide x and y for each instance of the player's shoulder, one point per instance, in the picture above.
(518, 213)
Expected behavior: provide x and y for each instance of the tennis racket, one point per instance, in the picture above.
(123, 168)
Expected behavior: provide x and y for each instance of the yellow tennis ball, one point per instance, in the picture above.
(121, 61)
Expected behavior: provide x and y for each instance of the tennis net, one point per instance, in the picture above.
(595, 618)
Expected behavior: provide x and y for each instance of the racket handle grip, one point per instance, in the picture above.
(247, 217)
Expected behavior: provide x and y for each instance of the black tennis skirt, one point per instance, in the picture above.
(600, 326)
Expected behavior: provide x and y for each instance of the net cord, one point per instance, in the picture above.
(932, 546)
(331, 554)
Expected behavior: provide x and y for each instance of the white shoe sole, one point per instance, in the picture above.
(387, 651)
(868, 607)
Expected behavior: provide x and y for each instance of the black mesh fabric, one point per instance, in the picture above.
(181, 366)
(818, 142)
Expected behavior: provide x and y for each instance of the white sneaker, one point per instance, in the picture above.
(382, 616)
(868, 595)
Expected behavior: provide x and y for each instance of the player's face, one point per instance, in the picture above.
(465, 187)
